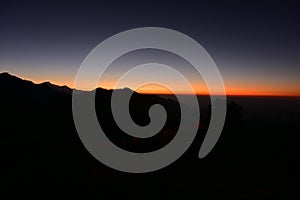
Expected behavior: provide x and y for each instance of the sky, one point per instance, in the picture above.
(255, 44)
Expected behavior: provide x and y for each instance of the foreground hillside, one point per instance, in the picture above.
(254, 158)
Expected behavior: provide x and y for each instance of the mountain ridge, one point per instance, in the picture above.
(6, 76)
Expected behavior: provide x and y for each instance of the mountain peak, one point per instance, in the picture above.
(7, 80)
(4, 74)
(46, 83)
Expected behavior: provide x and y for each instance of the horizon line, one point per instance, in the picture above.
(258, 94)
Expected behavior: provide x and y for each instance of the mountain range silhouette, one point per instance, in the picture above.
(40, 148)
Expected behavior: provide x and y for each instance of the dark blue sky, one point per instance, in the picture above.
(254, 43)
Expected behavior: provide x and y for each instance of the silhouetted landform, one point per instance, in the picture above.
(40, 150)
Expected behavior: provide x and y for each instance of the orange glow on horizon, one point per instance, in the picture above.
(231, 89)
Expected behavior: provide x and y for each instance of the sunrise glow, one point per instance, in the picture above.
(241, 89)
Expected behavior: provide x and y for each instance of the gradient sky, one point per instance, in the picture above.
(255, 44)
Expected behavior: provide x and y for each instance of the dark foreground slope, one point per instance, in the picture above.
(41, 151)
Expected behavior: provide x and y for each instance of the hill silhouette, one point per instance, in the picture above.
(40, 148)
